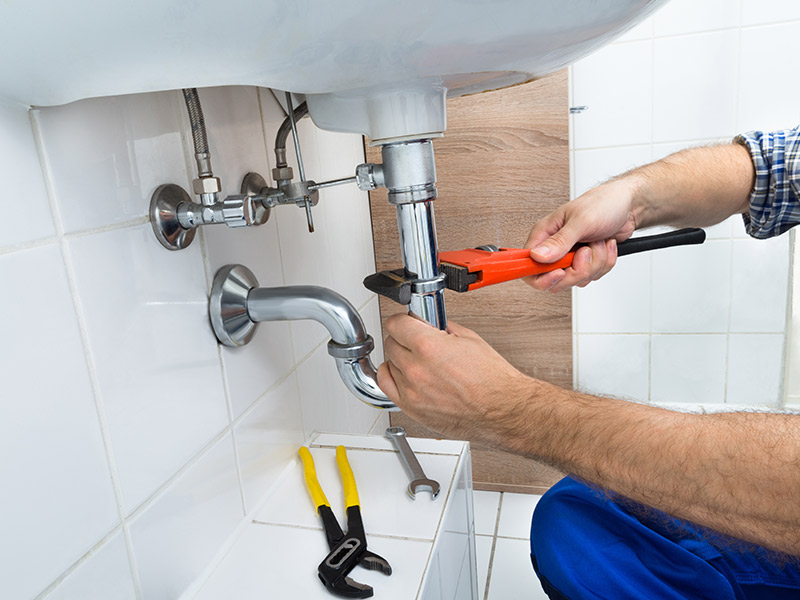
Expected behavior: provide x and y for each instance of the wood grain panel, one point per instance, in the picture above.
(502, 165)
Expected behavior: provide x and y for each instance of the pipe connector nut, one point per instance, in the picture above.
(206, 185)
(369, 176)
(282, 173)
(352, 351)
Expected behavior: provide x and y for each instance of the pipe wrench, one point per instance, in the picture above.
(473, 268)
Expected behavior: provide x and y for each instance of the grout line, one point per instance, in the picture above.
(130, 223)
(739, 25)
(728, 332)
(688, 142)
(80, 317)
(106, 228)
(494, 546)
(789, 329)
(99, 546)
(738, 77)
(145, 504)
(40, 243)
(667, 333)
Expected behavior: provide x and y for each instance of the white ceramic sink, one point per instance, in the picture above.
(379, 67)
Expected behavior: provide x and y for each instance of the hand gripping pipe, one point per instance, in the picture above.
(237, 305)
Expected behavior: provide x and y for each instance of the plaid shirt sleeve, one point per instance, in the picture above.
(775, 199)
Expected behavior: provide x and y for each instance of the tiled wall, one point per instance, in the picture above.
(131, 444)
(706, 324)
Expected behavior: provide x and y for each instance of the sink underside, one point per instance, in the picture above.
(345, 50)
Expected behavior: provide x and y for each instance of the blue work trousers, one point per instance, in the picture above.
(587, 543)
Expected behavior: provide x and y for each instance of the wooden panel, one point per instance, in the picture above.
(502, 165)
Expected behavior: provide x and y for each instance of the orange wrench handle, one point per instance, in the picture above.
(504, 265)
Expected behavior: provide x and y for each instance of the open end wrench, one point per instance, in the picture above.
(418, 479)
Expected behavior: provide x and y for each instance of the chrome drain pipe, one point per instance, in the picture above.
(409, 173)
(237, 305)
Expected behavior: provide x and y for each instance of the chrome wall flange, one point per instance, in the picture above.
(253, 184)
(227, 305)
(164, 217)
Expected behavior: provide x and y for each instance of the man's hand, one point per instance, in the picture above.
(602, 216)
(692, 188)
(452, 381)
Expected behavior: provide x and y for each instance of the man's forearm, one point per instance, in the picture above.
(696, 187)
(737, 473)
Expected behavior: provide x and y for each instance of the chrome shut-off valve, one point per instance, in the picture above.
(175, 216)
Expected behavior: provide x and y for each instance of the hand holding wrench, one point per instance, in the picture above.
(418, 479)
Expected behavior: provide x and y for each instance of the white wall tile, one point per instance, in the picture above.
(267, 439)
(642, 31)
(155, 359)
(155, 354)
(614, 365)
(305, 262)
(178, 535)
(691, 288)
(772, 11)
(106, 156)
(344, 209)
(738, 229)
(105, 575)
(372, 319)
(691, 74)
(235, 134)
(755, 369)
(327, 404)
(253, 368)
(690, 16)
(237, 144)
(688, 368)
(619, 302)
(512, 572)
(760, 282)
(615, 83)
(486, 511)
(22, 177)
(761, 61)
(516, 512)
(593, 167)
(792, 360)
(58, 500)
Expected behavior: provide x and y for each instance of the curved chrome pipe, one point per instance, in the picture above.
(237, 305)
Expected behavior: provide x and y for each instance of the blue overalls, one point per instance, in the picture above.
(585, 544)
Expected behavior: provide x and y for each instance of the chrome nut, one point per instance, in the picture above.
(206, 185)
(282, 173)
(369, 176)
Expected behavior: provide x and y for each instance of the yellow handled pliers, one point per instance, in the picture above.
(346, 550)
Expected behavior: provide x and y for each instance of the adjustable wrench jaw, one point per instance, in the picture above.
(350, 551)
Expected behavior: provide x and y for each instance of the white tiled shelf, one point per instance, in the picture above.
(430, 544)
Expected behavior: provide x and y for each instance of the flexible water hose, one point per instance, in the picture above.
(199, 136)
